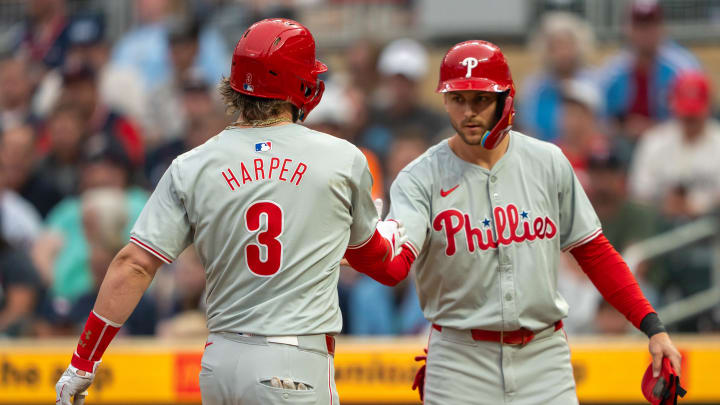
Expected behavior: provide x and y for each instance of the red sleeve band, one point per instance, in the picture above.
(373, 259)
(95, 338)
(611, 276)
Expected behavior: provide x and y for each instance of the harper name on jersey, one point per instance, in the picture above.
(264, 169)
(519, 226)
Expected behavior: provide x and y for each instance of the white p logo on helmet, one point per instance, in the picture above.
(471, 64)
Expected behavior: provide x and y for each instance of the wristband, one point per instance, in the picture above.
(95, 338)
(652, 325)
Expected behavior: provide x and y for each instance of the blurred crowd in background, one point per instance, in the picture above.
(88, 124)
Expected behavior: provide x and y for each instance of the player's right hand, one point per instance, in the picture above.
(71, 388)
(394, 232)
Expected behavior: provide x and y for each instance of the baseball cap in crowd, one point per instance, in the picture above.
(644, 11)
(690, 94)
(333, 109)
(87, 29)
(405, 57)
(583, 93)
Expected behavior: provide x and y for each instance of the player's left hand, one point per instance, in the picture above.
(394, 232)
(73, 385)
(661, 346)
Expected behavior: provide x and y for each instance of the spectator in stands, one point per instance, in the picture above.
(623, 220)
(20, 167)
(120, 88)
(361, 59)
(186, 315)
(42, 37)
(637, 81)
(145, 48)
(563, 45)
(20, 289)
(62, 253)
(165, 118)
(582, 136)
(16, 95)
(62, 143)
(676, 169)
(675, 165)
(402, 64)
(21, 224)
(81, 91)
(203, 119)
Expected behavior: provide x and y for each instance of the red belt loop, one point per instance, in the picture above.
(520, 336)
(330, 342)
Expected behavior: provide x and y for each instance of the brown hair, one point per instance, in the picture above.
(252, 109)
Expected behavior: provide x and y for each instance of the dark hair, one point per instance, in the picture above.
(253, 109)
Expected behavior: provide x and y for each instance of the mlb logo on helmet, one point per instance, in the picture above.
(247, 86)
(263, 146)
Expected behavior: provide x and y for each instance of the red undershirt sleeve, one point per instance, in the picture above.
(611, 276)
(373, 259)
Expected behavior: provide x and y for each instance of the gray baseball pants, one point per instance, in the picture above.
(463, 371)
(236, 370)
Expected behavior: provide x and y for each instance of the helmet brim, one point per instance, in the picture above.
(319, 67)
(472, 83)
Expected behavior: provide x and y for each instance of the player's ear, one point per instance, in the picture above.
(446, 100)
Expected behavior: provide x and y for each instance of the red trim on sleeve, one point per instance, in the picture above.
(583, 240)
(373, 259)
(95, 338)
(611, 276)
(151, 250)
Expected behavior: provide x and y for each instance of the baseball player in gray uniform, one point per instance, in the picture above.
(487, 214)
(272, 207)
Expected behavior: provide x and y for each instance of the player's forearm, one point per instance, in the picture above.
(375, 259)
(613, 279)
(126, 280)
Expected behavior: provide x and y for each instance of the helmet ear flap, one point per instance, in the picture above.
(312, 99)
(502, 126)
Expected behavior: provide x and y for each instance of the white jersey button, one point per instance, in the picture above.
(496, 196)
(508, 297)
(493, 179)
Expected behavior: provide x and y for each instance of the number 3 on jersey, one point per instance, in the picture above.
(268, 238)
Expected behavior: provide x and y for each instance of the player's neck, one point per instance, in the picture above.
(283, 118)
(476, 154)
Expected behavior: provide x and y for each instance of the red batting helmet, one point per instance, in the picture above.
(275, 58)
(663, 389)
(480, 65)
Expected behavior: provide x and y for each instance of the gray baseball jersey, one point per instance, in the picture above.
(488, 241)
(271, 212)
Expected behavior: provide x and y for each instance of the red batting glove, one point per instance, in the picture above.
(419, 382)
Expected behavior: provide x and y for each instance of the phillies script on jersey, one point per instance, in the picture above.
(518, 224)
(265, 169)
